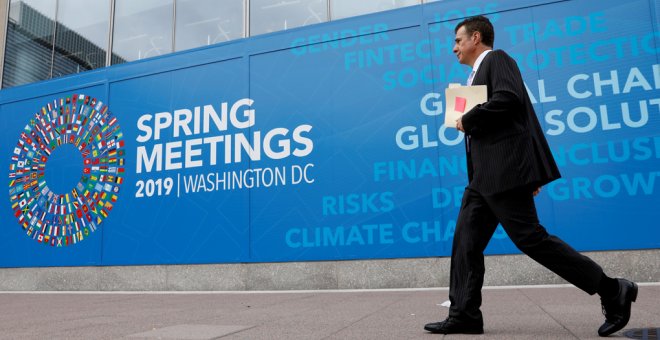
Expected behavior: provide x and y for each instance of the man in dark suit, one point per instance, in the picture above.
(508, 161)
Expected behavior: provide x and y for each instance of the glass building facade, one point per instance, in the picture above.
(50, 38)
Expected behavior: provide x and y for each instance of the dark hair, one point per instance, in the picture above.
(479, 24)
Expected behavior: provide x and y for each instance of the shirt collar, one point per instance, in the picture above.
(481, 57)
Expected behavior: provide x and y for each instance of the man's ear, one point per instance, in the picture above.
(476, 36)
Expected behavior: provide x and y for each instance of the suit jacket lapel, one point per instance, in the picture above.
(480, 72)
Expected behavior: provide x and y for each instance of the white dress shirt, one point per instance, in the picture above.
(476, 65)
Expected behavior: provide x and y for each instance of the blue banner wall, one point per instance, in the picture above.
(326, 142)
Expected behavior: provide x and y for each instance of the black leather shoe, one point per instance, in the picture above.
(617, 310)
(454, 326)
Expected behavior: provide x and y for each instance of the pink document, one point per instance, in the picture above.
(459, 105)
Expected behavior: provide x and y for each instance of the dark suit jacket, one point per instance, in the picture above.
(507, 148)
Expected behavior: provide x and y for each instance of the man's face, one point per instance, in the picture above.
(465, 48)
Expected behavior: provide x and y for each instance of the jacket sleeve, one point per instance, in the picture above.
(505, 82)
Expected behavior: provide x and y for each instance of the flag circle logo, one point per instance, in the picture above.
(64, 219)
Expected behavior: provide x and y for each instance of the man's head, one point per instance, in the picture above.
(473, 36)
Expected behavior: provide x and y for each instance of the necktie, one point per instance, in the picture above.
(469, 83)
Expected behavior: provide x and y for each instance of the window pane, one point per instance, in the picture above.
(142, 29)
(350, 8)
(29, 46)
(206, 22)
(81, 38)
(275, 15)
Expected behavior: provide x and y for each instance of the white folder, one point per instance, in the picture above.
(461, 99)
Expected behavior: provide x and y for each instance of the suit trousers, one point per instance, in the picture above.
(515, 210)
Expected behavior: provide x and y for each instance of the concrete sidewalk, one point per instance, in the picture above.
(551, 312)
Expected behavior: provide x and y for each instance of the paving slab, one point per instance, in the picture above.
(521, 312)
